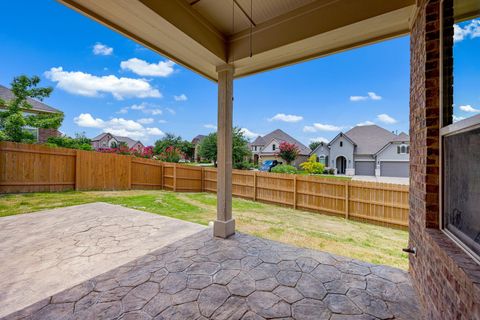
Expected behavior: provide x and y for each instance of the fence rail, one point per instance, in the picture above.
(36, 168)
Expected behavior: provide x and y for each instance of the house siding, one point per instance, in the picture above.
(346, 150)
(446, 279)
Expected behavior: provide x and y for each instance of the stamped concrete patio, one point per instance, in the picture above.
(199, 277)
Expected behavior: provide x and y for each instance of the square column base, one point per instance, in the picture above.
(223, 229)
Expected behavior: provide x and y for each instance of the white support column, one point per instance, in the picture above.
(224, 226)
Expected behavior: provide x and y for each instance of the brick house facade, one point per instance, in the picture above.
(446, 278)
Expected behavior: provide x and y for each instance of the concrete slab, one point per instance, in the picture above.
(47, 252)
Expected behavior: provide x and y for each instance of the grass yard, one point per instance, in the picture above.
(304, 229)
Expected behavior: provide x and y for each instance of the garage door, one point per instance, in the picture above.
(394, 169)
(364, 168)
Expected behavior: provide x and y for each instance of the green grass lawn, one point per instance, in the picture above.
(304, 229)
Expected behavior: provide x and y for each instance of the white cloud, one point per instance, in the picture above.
(249, 134)
(469, 108)
(145, 120)
(86, 120)
(374, 96)
(153, 112)
(140, 106)
(385, 118)
(370, 96)
(470, 30)
(123, 110)
(457, 118)
(286, 117)
(143, 68)
(210, 126)
(162, 121)
(181, 97)
(85, 84)
(365, 123)
(319, 139)
(321, 127)
(358, 98)
(170, 110)
(100, 49)
(119, 126)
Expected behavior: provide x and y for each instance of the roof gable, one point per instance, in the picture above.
(369, 139)
(37, 106)
(280, 136)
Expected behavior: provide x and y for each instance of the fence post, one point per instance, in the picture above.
(174, 177)
(162, 179)
(130, 173)
(254, 185)
(346, 200)
(202, 181)
(77, 169)
(294, 191)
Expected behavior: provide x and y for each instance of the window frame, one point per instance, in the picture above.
(447, 130)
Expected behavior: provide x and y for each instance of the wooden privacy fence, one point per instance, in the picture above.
(35, 168)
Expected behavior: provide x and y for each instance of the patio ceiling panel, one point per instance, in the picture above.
(198, 33)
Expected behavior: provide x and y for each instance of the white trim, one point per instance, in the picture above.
(393, 160)
(364, 160)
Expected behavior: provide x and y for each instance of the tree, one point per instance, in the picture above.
(171, 140)
(314, 144)
(288, 151)
(240, 149)
(79, 142)
(13, 120)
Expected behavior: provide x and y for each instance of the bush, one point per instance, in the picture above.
(79, 142)
(284, 168)
(312, 166)
(244, 165)
(170, 154)
(288, 151)
(329, 171)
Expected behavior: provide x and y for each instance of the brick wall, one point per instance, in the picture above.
(44, 134)
(447, 280)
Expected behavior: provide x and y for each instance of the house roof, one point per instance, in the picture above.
(401, 137)
(130, 142)
(259, 141)
(37, 106)
(198, 138)
(370, 139)
(280, 135)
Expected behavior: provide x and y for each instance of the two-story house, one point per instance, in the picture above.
(41, 134)
(367, 150)
(266, 147)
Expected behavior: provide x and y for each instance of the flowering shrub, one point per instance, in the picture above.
(284, 168)
(288, 151)
(146, 152)
(312, 166)
(170, 154)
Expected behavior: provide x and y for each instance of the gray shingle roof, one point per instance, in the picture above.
(259, 141)
(130, 142)
(198, 138)
(7, 94)
(370, 139)
(401, 137)
(279, 135)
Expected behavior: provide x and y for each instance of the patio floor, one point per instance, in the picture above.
(243, 277)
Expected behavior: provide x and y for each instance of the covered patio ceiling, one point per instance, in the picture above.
(253, 35)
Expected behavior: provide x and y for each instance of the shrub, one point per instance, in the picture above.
(170, 154)
(284, 168)
(312, 166)
(288, 151)
(245, 165)
(79, 142)
(329, 171)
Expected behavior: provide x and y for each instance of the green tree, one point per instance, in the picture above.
(171, 140)
(15, 118)
(313, 145)
(240, 149)
(79, 142)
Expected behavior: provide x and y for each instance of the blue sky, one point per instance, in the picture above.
(106, 82)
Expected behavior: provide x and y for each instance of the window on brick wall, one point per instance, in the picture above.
(460, 125)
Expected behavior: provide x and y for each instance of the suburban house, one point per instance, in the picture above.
(38, 107)
(266, 147)
(108, 140)
(367, 151)
(196, 145)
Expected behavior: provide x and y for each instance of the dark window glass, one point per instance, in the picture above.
(461, 193)
(341, 143)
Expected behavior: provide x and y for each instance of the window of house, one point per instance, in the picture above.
(274, 146)
(460, 123)
(255, 148)
(341, 143)
(321, 159)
